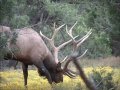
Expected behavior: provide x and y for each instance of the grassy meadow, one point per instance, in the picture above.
(105, 77)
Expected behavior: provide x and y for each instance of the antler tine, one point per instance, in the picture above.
(58, 48)
(71, 74)
(44, 36)
(62, 45)
(82, 54)
(65, 43)
(84, 38)
(70, 31)
(64, 59)
(66, 73)
(56, 30)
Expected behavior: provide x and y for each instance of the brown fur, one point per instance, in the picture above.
(31, 46)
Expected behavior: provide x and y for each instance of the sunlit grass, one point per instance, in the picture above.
(13, 80)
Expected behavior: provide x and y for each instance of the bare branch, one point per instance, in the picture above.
(83, 76)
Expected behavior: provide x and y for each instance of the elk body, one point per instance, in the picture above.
(30, 49)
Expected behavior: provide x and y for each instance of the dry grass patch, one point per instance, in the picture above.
(109, 61)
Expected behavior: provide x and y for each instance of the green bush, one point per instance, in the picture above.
(103, 79)
(3, 44)
(19, 21)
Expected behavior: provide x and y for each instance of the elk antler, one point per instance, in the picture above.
(80, 41)
(51, 41)
(76, 43)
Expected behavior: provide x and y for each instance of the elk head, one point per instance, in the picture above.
(57, 74)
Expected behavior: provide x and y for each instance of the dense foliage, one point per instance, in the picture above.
(102, 16)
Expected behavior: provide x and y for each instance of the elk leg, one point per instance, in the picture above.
(25, 73)
(42, 68)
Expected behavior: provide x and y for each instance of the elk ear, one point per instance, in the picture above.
(59, 67)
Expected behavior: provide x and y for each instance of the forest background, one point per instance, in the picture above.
(102, 16)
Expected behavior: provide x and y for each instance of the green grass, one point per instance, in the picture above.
(13, 80)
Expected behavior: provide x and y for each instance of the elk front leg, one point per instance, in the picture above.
(25, 73)
(42, 68)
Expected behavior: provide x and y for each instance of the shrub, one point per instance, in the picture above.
(103, 79)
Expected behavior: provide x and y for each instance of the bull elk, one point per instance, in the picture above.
(31, 50)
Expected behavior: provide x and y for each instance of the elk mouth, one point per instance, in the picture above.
(57, 81)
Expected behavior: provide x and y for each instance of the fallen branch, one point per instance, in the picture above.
(89, 85)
